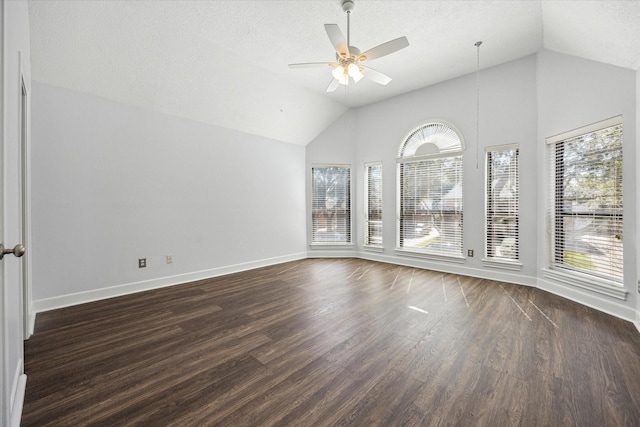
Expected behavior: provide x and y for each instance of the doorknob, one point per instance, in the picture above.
(18, 250)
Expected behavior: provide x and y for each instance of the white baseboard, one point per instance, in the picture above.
(320, 252)
(17, 395)
(16, 410)
(594, 301)
(32, 321)
(130, 288)
(637, 323)
(452, 268)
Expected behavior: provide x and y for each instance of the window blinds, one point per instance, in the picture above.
(430, 217)
(587, 208)
(373, 204)
(331, 204)
(502, 197)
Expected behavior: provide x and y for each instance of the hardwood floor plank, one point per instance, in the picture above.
(333, 342)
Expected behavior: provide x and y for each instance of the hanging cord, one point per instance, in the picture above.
(348, 28)
(478, 103)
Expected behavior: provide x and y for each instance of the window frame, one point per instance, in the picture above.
(347, 209)
(561, 270)
(452, 147)
(367, 200)
(490, 259)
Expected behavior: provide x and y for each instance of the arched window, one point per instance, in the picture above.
(430, 191)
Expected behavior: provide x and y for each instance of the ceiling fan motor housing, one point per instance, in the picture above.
(354, 54)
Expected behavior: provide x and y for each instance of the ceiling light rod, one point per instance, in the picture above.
(477, 45)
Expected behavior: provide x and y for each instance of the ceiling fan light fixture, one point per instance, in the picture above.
(348, 58)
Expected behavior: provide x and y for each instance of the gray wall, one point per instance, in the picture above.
(572, 93)
(507, 115)
(113, 183)
(523, 102)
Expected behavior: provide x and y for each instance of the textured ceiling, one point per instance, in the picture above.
(225, 62)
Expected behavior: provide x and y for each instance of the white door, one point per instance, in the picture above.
(13, 130)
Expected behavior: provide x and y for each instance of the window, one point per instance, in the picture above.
(430, 191)
(373, 204)
(502, 193)
(586, 201)
(331, 204)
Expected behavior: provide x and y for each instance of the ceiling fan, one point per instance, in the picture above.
(349, 59)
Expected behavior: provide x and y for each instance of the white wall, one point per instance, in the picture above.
(572, 93)
(113, 183)
(521, 102)
(15, 66)
(507, 115)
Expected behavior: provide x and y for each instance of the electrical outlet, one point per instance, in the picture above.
(470, 253)
(142, 262)
(169, 259)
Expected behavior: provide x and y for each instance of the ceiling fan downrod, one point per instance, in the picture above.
(347, 7)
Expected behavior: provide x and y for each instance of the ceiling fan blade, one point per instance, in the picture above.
(337, 39)
(313, 64)
(333, 85)
(384, 49)
(375, 76)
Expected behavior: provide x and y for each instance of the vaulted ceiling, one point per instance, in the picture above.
(225, 62)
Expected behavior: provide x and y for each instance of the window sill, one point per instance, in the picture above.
(594, 284)
(329, 245)
(502, 264)
(373, 248)
(458, 259)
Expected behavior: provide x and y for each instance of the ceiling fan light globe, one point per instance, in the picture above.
(338, 72)
(353, 69)
(357, 77)
(344, 80)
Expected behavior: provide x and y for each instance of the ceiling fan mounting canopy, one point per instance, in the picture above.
(349, 59)
(347, 5)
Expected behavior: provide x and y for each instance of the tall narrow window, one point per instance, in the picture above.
(373, 204)
(331, 204)
(430, 191)
(502, 194)
(586, 201)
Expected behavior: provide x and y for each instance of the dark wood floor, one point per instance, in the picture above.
(333, 342)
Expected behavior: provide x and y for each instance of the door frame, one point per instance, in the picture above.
(25, 205)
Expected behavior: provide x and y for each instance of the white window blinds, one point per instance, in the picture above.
(331, 204)
(373, 204)
(586, 200)
(502, 196)
(430, 217)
